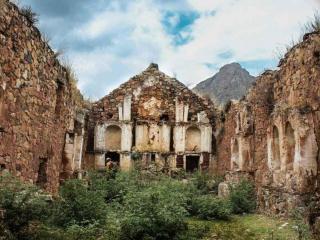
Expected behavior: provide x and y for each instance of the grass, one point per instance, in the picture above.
(247, 227)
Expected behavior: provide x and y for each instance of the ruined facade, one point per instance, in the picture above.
(273, 134)
(37, 105)
(153, 118)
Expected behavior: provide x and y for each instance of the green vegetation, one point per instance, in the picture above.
(242, 197)
(135, 205)
(247, 227)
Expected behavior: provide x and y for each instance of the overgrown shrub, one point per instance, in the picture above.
(242, 197)
(195, 231)
(21, 204)
(157, 212)
(206, 183)
(300, 226)
(211, 207)
(78, 205)
(118, 206)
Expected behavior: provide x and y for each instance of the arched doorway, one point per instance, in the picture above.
(290, 146)
(276, 162)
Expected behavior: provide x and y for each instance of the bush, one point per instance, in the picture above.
(210, 207)
(78, 205)
(242, 197)
(113, 186)
(73, 232)
(21, 204)
(195, 231)
(156, 212)
(206, 183)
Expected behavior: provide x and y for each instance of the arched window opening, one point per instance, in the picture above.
(113, 138)
(291, 143)
(193, 139)
(276, 162)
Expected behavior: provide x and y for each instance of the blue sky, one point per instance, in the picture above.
(108, 41)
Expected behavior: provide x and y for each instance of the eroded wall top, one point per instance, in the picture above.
(153, 97)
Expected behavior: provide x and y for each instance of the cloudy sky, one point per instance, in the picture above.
(108, 41)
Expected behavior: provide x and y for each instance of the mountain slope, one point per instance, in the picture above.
(231, 82)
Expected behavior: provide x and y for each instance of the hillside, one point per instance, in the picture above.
(231, 82)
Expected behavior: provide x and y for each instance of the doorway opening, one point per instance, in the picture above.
(192, 163)
(113, 157)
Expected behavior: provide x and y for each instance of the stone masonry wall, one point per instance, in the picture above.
(159, 99)
(37, 104)
(283, 162)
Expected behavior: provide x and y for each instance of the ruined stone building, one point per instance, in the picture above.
(38, 105)
(273, 134)
(48, 134)
(153, 118)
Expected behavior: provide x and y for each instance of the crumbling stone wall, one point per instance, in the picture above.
(277, 124)
(151, 101)
(37, 104)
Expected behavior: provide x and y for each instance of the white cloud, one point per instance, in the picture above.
(251, 30)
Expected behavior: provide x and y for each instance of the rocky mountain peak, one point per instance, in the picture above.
(231, 82)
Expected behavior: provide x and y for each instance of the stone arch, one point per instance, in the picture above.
(235, 156)
(113, 138)
(276, 160)
(290, 146)
(193, 139)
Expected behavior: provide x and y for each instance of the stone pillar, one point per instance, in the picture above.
(185, 113)
(127, 108)
(179, 111)
(126, 137)
(206, 139)
(78, 141)
(120, 110)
